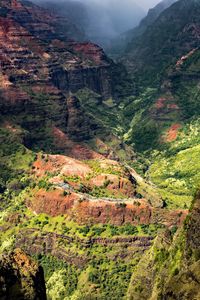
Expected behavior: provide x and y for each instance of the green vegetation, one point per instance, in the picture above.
(104, 261)
(61, 278)
(176, 170)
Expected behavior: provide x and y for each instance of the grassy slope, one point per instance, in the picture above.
(170, 269)
(176, 170)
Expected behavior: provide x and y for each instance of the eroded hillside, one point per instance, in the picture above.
(98, 170)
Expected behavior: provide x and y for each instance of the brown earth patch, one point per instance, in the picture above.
(76, 150)
(167, 103)
(114, 183)
(172, 133)
(98, 211)
(59, 163)
(53, 202)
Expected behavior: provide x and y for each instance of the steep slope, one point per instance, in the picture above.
(163, 121)
(20, 277)
(169, 107)
(84, 221)
(100, 21)
(40, 67)
(166, 58)
(174, 33)
(151, 17)
(40, 22)
(70, 196)
(172, 268)
(120, 44)
(75, 11)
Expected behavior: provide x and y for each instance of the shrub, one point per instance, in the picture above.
(66, 193)
(176, 272)
(84, 230)
(121, 205)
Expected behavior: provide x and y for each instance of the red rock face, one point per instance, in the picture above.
(91, 51)
(53, 203)
(91, 211)
(39, 66)
(66, 198)
(40, 22)
(63, 142)
(113, 213)
(164, 106)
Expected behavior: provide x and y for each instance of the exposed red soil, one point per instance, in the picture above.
(172, 133)
(53, 202)
(94, 212)
(88, 211)
(90, 51)
(58, 163)
(164, 102)
(76, 150)
(160, 103)
(114, 183)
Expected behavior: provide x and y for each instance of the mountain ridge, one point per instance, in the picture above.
(99, 168)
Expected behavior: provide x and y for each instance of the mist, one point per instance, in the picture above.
(101, 20)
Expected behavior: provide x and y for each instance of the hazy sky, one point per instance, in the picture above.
(104, 19)
(146, 4)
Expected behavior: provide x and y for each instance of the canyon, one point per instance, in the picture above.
(99, 159)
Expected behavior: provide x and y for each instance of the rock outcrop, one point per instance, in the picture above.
(50, 244)
(85, 209)
(40, 67)
(172, 268)
(20, 277)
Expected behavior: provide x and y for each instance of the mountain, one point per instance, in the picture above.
(174, 33)
(164, 116)
(166, 58)
(99, 168)
(100, 21)
(39, 22)
(121, 42)
(151, 17)
(75, 11)
(40, 70)
(176, 260)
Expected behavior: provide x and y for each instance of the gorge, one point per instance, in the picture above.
(99, 156)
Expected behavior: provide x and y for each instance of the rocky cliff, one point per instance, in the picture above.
(121, 43)
(165, 40)
(72, 197)
(41, 66)
(186, 280)
(165, 57)
(20, 277)
(151, 17)
(172, 268)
